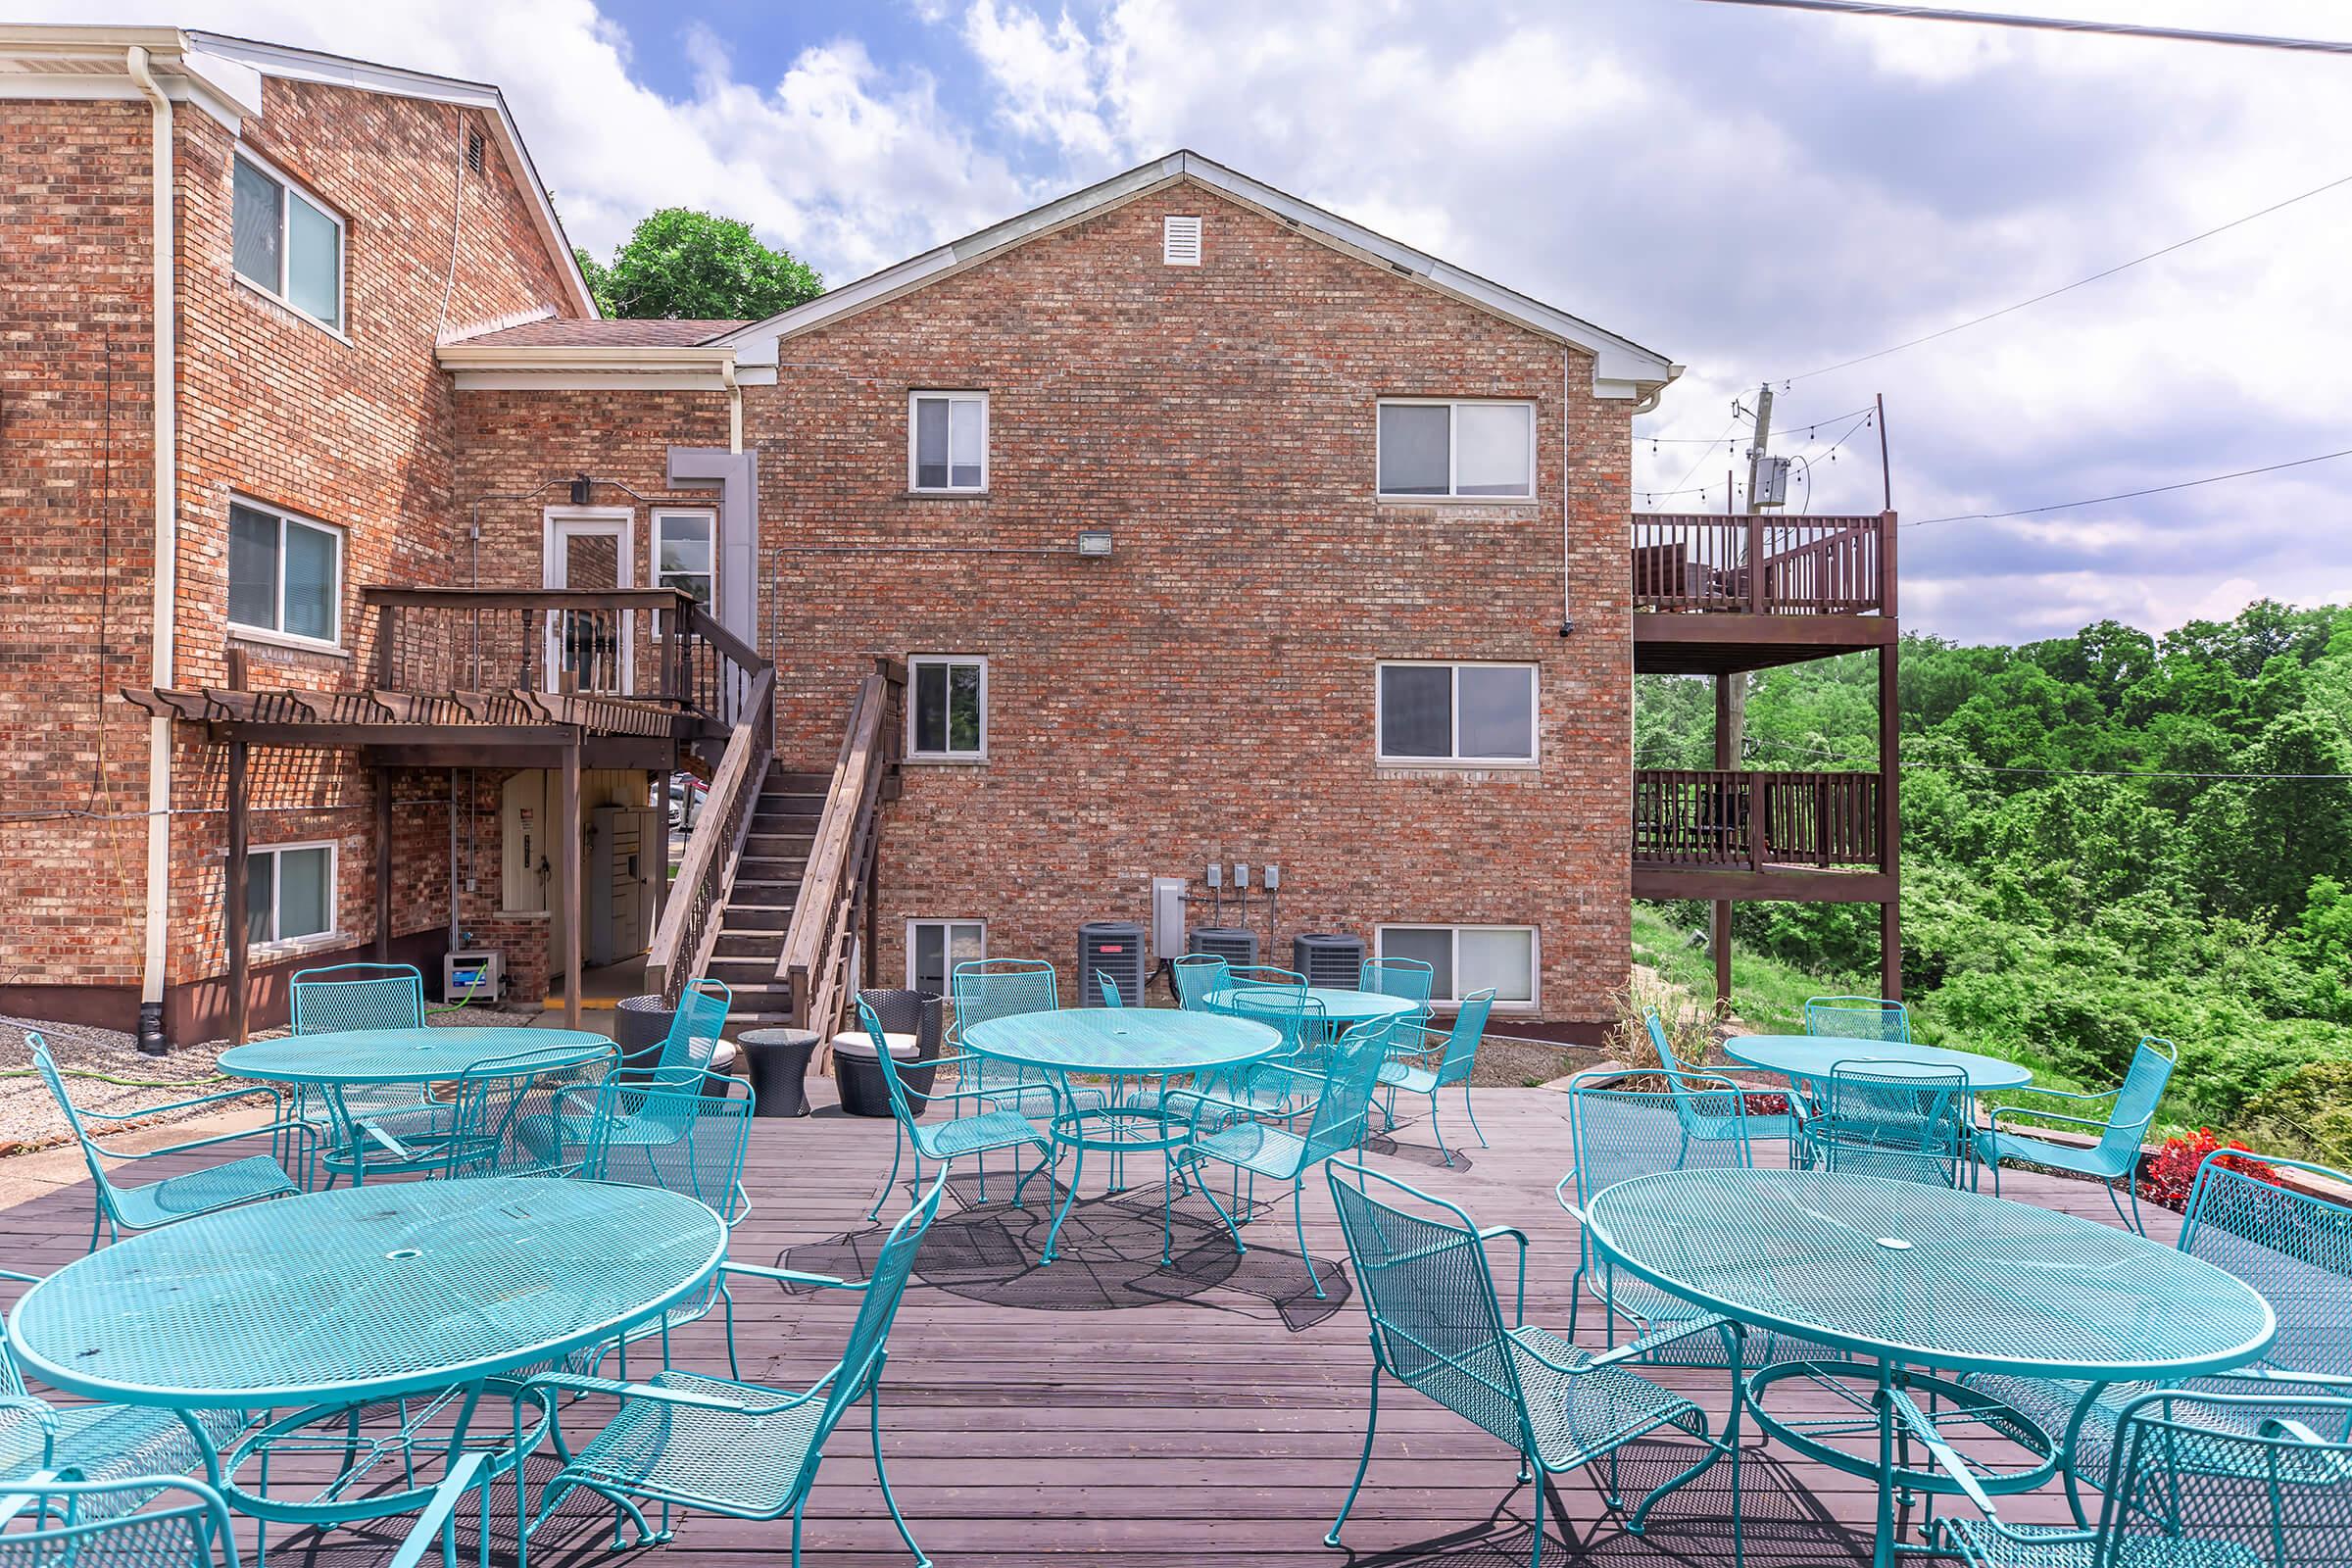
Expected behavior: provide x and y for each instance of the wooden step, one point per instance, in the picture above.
(749, 943)
(802, 802)
(800, 783)
(755, 915)
(779, 846)
(801, 822)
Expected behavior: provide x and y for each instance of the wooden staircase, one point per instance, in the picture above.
(766, 886)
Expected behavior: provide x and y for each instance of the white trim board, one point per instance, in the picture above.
(1622, 367)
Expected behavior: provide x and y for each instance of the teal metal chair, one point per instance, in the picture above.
(63, 1520)
(1882, 1118)
(1198, 977)
(2292, 1247)
(2130, 1108)
(2194, 1480)
(1410, 979)
(1110, 989)
(1783, 1126)
(357, 996)
(1445, 1059)
(1858, 1018)
(684, 1062)
(1245, 1135)
(739, 1449)
(989, 1124)
(1427, 1287)
(494, 1121)
(707, 1127)
(109, 1444)
(143, 1206)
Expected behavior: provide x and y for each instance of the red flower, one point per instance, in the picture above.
(2172, 1172)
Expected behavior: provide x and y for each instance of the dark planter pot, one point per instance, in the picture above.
(640, 1027)
(777, 1062)
(911, 1012)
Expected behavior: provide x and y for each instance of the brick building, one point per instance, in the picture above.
(1175, 523)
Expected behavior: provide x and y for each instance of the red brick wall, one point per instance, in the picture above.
(1207, 691)
(355, 431)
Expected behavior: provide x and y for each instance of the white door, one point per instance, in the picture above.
(590, 550)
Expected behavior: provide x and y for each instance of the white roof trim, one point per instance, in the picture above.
(573, 366)
(1622, 367)
(334, 70)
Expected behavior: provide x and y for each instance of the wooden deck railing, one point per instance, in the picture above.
(1764, 566)
(836, 903)
(649, 643)
(1737, 820)
(688, 933)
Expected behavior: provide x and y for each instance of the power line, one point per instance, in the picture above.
(2129, 495)
(2120, 267)
(1991, 19)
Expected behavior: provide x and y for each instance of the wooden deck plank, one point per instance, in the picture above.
(1110, 1411)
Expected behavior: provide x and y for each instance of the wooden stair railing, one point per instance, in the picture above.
(835, 911)
(690, 916)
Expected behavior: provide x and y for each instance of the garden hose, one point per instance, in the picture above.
(124, 1083)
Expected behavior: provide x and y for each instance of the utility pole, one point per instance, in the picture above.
(1756, 448)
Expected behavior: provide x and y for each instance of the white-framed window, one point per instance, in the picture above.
(947, 442)
(946, 708)
(285, 575)
(289, 892)
(1468, 958)
(934, 947)
(1431, 447)
(686, 553)
(1440, 712)
(284, 242)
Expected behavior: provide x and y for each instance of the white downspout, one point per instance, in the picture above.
(727, 372)
(167, 560)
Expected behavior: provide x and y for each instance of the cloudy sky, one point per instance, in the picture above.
(1758, 194)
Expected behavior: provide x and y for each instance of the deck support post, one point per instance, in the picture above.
(234, 901)
(383, 865)
(1730, 718)
(567, 861)
(662, 856)
(1890, 821)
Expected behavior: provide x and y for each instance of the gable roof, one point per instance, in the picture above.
(645, 333)
(1622, 367)
(223, 75)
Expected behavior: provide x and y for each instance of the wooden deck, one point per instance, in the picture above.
(1106, 1410)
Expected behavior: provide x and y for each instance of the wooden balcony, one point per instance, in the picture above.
(1730, 833)
(1716, 593)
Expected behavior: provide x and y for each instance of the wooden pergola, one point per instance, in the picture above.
(563, 731)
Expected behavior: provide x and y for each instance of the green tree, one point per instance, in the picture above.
(690, 266)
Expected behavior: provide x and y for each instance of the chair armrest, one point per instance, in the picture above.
(37, 1414)
(2282, 1374)
(658, 1395)
(426, 1531)
(1947, 1458)
(254, 1092)
(2069, 1094)
(1630, 1349)
(1519, 1299)
(27, 1492)
(1993, 1122)
(206, 1143)
(399, 1150)
(792, 1276)
(21, 1279)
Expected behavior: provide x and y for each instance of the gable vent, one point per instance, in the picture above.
(1180, 241)
(474, 151)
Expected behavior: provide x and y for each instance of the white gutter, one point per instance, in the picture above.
(166, 545)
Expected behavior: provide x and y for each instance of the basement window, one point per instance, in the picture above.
(285, 577)
(1458, 714)
(947, 442)
(934, 947)
(286, 243)
(1432, 448)
(1468, 958)
(946, 713)
(289, 892)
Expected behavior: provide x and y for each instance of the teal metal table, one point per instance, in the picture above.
(1119, 1042)
(1812, 1056)
(1338, 1008)
(334, 1064)
(1907, 1279)
(424, 1291)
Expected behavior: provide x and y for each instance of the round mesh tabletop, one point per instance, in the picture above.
(1814, 1055)
(364, 1293)
(1122, 1040)
(1339, 1006)
(1928, 1276)
(403, 1055)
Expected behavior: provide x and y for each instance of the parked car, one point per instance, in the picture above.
(686, 796)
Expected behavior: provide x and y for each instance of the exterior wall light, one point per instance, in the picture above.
(1094, 542)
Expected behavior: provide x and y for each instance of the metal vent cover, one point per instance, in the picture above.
(1234, 944)
(1114, 947)
(1329, 958)
(1180, 241)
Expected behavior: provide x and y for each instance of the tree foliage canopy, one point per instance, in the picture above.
(686, 264)
(2078, 866)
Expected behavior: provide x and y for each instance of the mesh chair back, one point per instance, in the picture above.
(1198, 976)
(1617, 1132)
(12, 1377)
(694, 1032)
(1857, 1018)
(498, 1099)
(1427, 1287)
(46, 1065)
(689, 1141)
(2294, 1248)
(869, 1335)
(1891, 1119)
(1461, 1042)
(1408, 978)
(2135, 1102)
(113, 1524)
(2230, 1479)
(1000, 988)
(1110, 989)
(1693, 1092)
(1344, 1110)
(1661, 1044)
(359, 995)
